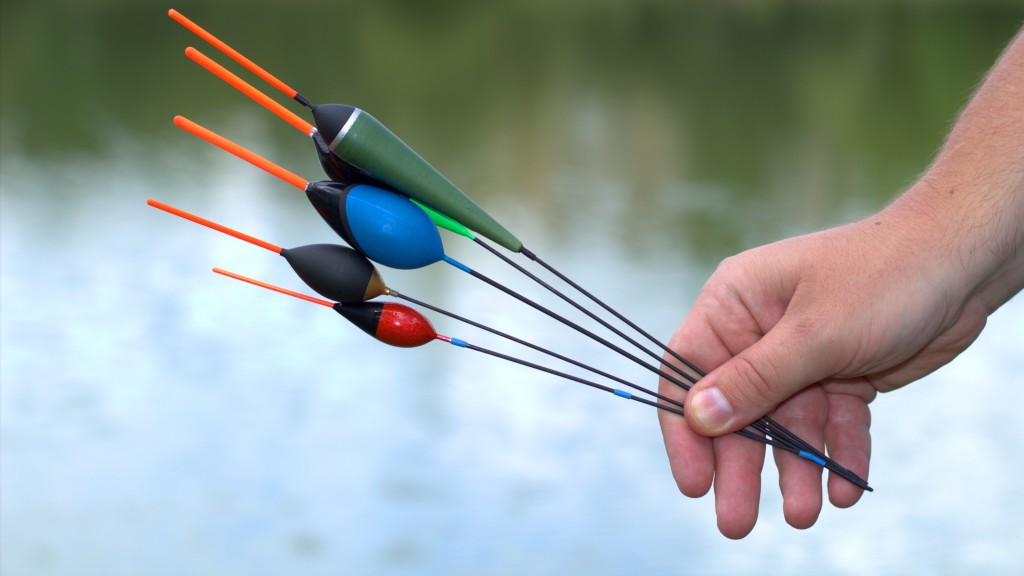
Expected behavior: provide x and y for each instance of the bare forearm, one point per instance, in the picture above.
(973, 194)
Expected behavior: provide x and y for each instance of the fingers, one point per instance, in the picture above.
(762, 358)
(800, 480)
(738, 464)
(690, 455)
(848, 437)
(787, 359)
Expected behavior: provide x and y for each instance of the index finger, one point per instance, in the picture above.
(706, 344)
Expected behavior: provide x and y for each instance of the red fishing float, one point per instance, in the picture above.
(391, 323)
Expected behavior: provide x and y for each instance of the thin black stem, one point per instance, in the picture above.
(623, 381)
(575, 326)
(759, 425)
(520, 361)
(584, 310)
(782, 432)
(553, 354)
(766, 436)
(612, 311)
(766, 424)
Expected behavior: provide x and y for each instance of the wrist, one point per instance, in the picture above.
(976, 221)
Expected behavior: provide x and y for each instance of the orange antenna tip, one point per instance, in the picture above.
(213, 225)
(247, 89)
(231, 52)
(292, 293)
(243, 153)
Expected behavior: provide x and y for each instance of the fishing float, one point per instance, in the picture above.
(364, 146)
(337, 169)
(362, 142)
(367, 146)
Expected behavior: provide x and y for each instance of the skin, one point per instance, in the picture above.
(811, 328)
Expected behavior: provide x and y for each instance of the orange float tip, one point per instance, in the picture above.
(278, 289)
(243, 153)
(213, 225)
(250, 91)
(232, 53)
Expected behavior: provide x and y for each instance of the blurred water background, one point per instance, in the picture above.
(158, 419)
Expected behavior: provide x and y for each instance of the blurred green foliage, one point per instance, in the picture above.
(780, 106)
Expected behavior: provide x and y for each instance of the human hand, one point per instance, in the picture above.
(809, 330)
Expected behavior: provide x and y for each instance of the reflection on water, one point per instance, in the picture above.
(157, 419)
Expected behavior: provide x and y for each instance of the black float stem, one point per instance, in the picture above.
(769, 425)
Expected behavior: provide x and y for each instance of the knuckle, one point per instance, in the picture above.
(730, 269)
(755, 381)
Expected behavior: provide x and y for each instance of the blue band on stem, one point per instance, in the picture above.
(812, 458)
(457, 264)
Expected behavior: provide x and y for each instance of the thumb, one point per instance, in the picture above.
(755, 381)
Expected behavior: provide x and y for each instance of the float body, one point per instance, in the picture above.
(363, 142)
(382, 225)
(336, 272)
(391, 323)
